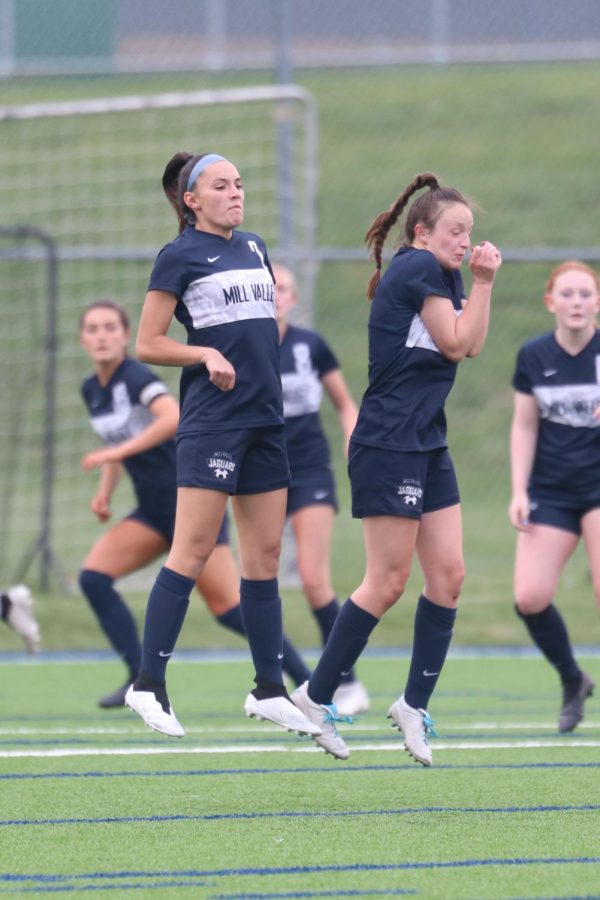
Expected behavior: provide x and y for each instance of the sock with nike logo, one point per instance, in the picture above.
(432, 636)
(260, 605)
(326, 616)
(349, 637)
(167, 606)
(293, 664)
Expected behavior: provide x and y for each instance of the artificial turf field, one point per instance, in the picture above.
(93, 803)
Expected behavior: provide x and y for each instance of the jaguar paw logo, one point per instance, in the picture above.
(410, 491)
(221, 465)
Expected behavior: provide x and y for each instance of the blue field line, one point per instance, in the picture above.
(301, 770)
(161, 885)
(296, 814)
(306, 895)
(47, 879)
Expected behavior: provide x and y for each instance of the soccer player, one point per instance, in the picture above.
(403, 482)
(134, 414)
(308, 366)
(217, 281)
(555, 449)
(16, 609)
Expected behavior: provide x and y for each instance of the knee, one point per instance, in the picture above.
(392, 588)
(529, 601)
(312, 583)
(445, 585)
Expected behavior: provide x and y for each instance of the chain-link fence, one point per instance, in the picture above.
(520, 138)
(223, 35)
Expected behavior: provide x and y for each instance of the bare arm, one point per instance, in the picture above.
(153, 345)
(523, 440)
(464, 335)
(337, 389)
(110, 474)
(165, 412)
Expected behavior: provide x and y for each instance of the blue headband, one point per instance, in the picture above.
(200, 166)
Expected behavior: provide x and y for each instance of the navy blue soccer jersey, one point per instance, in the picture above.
(409, 378)
(305, 358)
(225, 299)
(566, 388)
(119, 411)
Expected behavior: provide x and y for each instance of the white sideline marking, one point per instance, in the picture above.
(256, 728)
(285, 748)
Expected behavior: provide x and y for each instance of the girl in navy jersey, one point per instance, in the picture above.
(403, 482)
(134, 414)
(555, 450)
(307, 367)
(217, 282)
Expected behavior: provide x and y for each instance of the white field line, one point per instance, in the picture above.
(285, 748)
(255, 728)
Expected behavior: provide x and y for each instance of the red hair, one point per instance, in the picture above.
(572, 265)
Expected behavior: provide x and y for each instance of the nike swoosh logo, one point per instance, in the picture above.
(320, 495)
(280, 656)
(549, 372)
(162, 653)
(213, 258)
(343, 674)
(429, 674)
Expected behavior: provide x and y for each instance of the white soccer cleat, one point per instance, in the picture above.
(324, 716)
(417, 728)
(147, 705)
(19, 616)
(281, 711)
(351, 698)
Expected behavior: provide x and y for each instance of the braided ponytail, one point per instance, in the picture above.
(376, 235)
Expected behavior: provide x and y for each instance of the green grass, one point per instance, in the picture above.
(519, 139)
(93, 802)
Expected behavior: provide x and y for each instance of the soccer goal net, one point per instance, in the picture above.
(82, 216)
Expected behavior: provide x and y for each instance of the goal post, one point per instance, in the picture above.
(84, 178)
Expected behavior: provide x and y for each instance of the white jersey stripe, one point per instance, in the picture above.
(222, 298)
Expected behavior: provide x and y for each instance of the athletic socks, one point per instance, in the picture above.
(114, 617)
(549, 633)
(293, 664)
(348, 638)
(432, 635)
(326, 616)
(165, 613)
(260, 606)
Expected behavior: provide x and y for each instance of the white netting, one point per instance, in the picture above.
(87, 176)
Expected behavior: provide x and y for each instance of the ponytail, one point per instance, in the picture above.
(425, 210)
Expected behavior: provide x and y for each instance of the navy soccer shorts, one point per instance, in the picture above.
(312, 488)
(241, 461)
(567, 518)
(398, 483)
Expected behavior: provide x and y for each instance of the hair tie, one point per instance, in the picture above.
(201, 165)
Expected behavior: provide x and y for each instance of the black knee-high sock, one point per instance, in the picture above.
(326, 617)
(167, 606)
(293, 664)
(432, 635)
(349, 637)
(549, 633)
(260, 606)
(114, 617)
